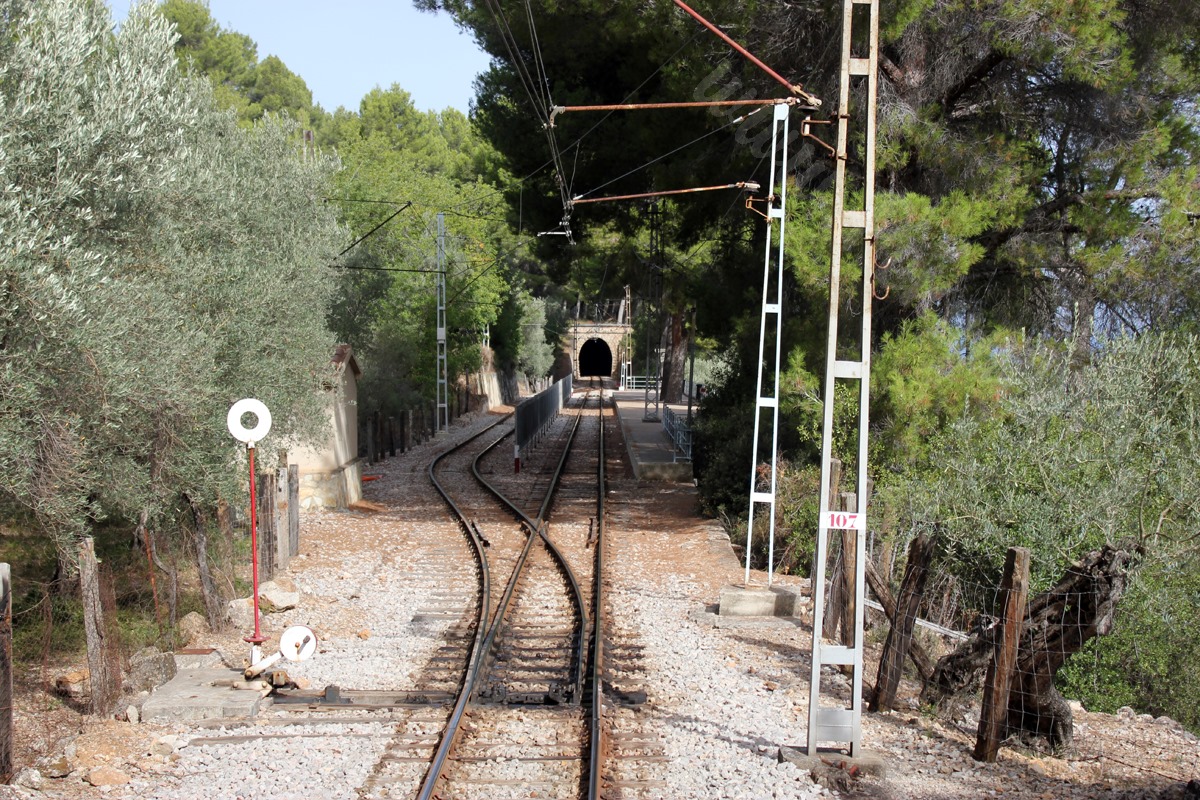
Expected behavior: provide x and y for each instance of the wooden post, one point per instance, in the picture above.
(837, 584)
(102, 678)
(899, 638)
(837, 596)
(267, 532)
(391, 436)
(6, 678)
(839, 612)
(283, 515)
(1014, 588)
(920, 658)
(293, 527)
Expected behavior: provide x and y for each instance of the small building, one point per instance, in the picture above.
(331, 474)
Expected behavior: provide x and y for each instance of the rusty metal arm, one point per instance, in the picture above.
(748, 185)
(794, 88)
(766, 101)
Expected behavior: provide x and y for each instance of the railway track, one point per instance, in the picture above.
(523, 722)
(505, 699)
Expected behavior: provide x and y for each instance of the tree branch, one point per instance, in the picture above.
(893, 71)
(972, 79)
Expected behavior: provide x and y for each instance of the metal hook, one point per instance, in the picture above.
(808, 134)
(750, 201)
(875, 294)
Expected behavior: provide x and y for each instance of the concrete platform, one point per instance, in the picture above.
(651, 453)
(759, 601)
(201, 689)
(834, 761)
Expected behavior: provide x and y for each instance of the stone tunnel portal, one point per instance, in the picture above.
(595, 359)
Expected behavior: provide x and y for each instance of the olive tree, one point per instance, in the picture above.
(157, 262)
(1075, 460)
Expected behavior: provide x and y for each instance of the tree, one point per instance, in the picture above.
(277, 89)
(393, 155)
(521, 336)
(1037, 161)
(139, 212)
(1074, 461)
(230, 60)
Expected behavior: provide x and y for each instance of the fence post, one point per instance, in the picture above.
(293, 526)
(837, 587)
(6, 678)
(268, 531)
(920, 658)
(849, 571)
(1014, 588)
(283, 517)
(370, 428)
(899, 638)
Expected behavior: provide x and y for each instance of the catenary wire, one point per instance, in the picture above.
(697, 140)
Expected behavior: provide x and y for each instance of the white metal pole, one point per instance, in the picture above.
(442, 421)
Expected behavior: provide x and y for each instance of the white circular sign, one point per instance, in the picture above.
(298, 643)
(239, 431)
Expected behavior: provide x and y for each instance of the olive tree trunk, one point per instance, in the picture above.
(1057, 624)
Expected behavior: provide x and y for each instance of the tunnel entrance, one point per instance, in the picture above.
(595, 359)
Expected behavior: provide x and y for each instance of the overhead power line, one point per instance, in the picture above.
(697, 140)
(359, 240)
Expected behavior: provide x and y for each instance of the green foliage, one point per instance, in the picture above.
(159, 263)
(1072, 460)
(276, 88)
(230, 60)
(393, 154)
(926, 378)
(1150, 660)
(521, 336)
(797, 511)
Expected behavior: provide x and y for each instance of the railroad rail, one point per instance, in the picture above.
(522, 718)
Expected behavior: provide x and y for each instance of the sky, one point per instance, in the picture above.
(343, 50)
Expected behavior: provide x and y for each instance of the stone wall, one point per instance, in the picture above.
(333, 490)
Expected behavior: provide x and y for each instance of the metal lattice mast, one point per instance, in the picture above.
(442, 422)
(766, 389)
(853, 236)
(654, 297)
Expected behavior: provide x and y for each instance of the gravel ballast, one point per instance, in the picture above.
(717, 698)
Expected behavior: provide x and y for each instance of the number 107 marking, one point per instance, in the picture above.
(844, 520)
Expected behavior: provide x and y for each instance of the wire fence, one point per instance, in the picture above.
(990, 647)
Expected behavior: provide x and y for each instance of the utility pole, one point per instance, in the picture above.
(853, 236)
(763, 471)
(442, 423)
(654, 297)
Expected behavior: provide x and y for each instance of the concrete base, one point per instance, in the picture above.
(197, 658)
(865, 763)
(759, 601)
(670, 471)
(197, 694)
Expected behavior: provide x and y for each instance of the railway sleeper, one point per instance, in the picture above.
(336, 696)
(501, 694)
